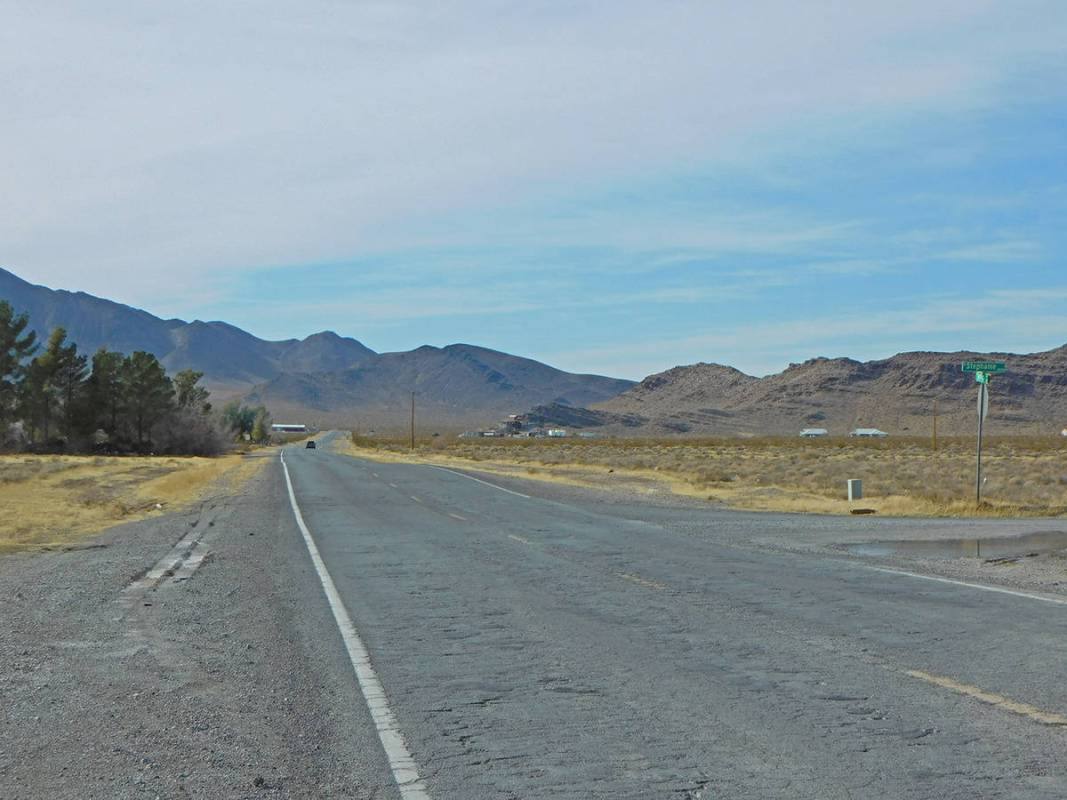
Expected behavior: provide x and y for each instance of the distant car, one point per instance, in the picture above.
(310, 445)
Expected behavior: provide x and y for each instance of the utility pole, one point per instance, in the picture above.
(412, 420)
(935, 426)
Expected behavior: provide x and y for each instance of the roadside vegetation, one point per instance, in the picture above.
(901, 476)
(53, 502)
(69, 424)
(54, 399)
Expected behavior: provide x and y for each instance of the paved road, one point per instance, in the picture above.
(561, 644)
(531, 648)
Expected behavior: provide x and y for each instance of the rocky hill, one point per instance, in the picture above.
(899, 395)
(326, 379)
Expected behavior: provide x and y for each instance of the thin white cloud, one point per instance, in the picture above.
(994, 252)
(1001, 320)
(144, 141)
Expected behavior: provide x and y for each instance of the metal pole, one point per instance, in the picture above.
(982, 388)
(412, 420)
(935, 426)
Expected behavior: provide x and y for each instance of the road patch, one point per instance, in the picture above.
(648, 584)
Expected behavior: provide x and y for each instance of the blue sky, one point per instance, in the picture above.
(614, 190)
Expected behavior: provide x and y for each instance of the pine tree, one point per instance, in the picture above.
(42, 395)
(105, 391)
(148, 394)
(34, 399)
(16, 345)
(69, 382)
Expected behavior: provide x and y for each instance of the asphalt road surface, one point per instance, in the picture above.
(515, 642)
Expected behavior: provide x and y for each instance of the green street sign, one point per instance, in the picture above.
(981, 377)
(984, 366)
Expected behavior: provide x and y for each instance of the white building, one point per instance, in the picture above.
(289, 427)
(557, 433)
(868, 433)
(813, 433)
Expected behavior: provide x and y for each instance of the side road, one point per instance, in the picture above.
(221, 677)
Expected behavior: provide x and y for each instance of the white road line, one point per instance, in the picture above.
(171, 561)
(405, 770)
(417, 500)
(192, 563)
(394, 485)
(375, 474)
(457, 516)
(999, 590)
(479, 480)
(518, 538)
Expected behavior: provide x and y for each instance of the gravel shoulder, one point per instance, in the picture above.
(232, 683)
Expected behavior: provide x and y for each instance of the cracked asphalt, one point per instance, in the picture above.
(564, 644)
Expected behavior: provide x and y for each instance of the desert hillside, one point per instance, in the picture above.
(899, 395)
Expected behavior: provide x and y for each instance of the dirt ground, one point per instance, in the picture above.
(902, 477)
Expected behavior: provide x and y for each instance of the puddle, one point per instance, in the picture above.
(987, 547)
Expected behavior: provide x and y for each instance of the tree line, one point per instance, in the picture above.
(54, 398)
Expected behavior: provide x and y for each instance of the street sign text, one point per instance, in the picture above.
(984, 366)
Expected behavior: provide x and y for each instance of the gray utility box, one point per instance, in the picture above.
(855, 490)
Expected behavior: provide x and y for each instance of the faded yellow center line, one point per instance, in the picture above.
(1006, 703)
(641, 581)
(518, 538)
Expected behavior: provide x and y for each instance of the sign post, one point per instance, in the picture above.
(982, 370)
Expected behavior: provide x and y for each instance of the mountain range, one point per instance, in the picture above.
(327, 380)
(324, 379)
(900, 395)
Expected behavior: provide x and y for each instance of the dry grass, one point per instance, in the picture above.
(53, 501)
(1024, 476)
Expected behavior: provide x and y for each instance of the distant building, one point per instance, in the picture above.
(557, 433)
(1063, 432)
(284, 427)
(868, 433)
(813, 433)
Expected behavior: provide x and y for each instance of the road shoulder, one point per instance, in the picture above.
(231, 683)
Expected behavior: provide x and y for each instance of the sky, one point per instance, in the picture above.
(608, 187)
